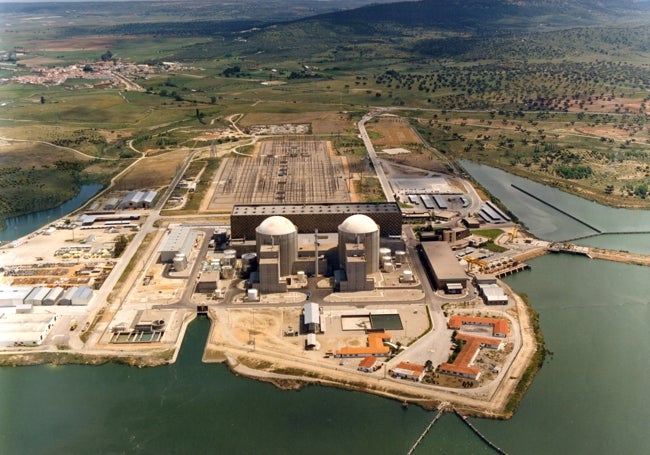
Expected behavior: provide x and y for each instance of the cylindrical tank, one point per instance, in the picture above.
(252, 294)
(281, 232)
(384, 252)
(360, 229)
(227, 272)
(408, 276)
(180, 262)
(230, 252)
(249, 262)
(229, 259)
(388, 267)
(400, 256)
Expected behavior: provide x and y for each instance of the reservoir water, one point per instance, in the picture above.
(590, 396)
(22, 225)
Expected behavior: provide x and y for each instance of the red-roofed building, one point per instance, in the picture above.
(375, 347)
(408, 370)
(462, 365)
(369, 364)
(499, 326)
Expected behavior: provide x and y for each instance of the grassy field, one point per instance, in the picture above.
(567, 108)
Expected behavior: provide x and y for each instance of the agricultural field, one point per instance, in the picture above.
(562, 106)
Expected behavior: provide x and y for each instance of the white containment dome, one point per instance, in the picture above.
(358, 224)
(360, 229)
(276, 225)
(282, 233)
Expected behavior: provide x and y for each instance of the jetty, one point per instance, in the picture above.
(479, 434)
(441, 411)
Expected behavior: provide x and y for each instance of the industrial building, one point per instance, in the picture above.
(360, 230)
(66, 297)
(208, 281)
(443, 266)
(312, 318)
(37, 296)
(179, 241)
(25, 329)
(358, 248)
(308, 218)
(14, 295)
(138, 200)
(53, 296)
(81, 296)
(281, 232)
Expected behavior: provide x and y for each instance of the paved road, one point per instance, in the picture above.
(385, 185)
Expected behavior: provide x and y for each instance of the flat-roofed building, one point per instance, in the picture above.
(493, 294)
(25, 329)
(14, 295)
(311, 317)
(443, 266)
(179, 241)
(308, 217)
(208, 281)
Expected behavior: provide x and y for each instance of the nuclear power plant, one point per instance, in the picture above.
(286, 253)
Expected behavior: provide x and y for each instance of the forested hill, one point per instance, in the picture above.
(486, 15)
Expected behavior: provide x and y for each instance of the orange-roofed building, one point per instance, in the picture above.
(375, 347)
(369, 364)
(462, 365)
(408, 370)
(499, 326)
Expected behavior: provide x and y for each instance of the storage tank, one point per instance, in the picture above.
(249, 262)
(227, 272)
(230, 252)
(360, 229)
(180, 262)
(252, 294)
(278, 230)
(408, 276)
(229, 259)
(400, 256)
(389, 267)
(384, 252)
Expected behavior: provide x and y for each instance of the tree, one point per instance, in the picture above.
(106, 56)
(120, 245)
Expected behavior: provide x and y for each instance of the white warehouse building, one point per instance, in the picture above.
(179, 241)
(138, 200)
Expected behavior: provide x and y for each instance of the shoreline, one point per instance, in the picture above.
(292, 374)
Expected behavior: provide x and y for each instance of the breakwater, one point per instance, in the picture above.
(479, 434)
(441, 410)
(554, 207)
